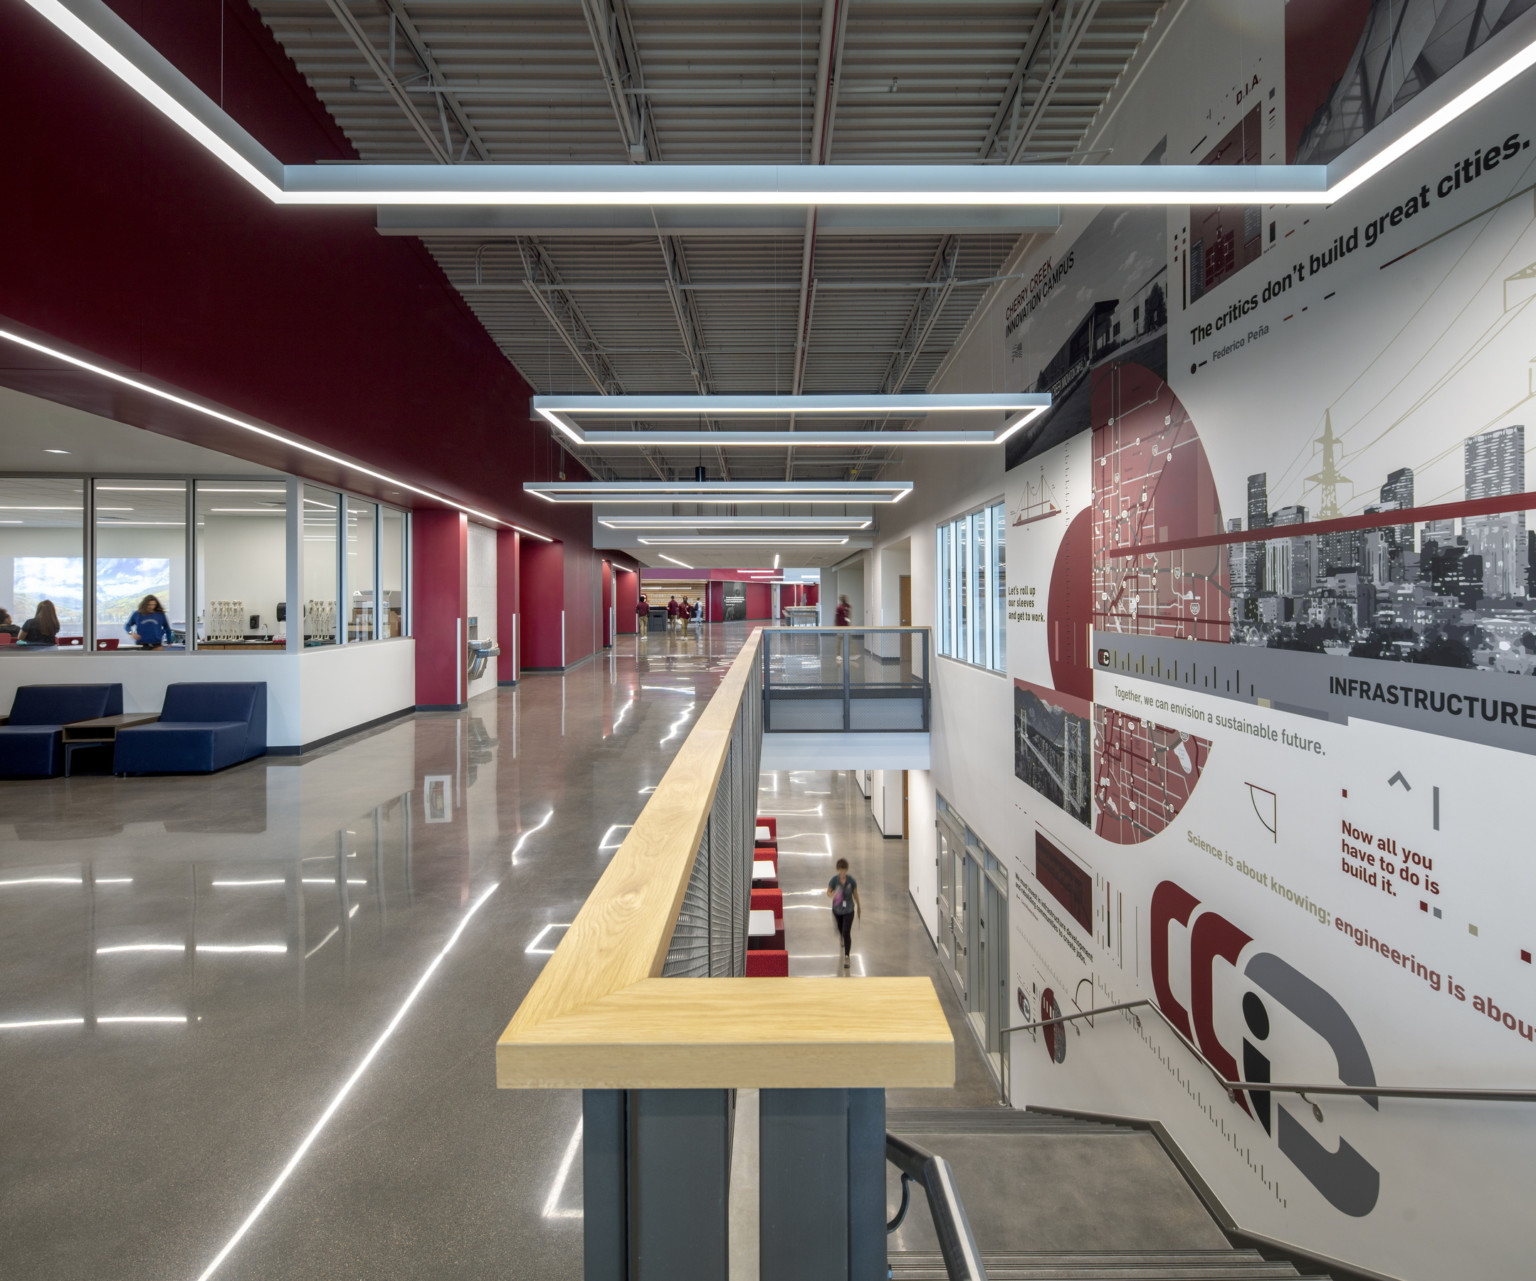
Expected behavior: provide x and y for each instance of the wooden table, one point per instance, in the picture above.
(101, 731)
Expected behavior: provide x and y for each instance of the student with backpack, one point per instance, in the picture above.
(843, 890)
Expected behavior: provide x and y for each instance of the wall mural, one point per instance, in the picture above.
(1271, 725)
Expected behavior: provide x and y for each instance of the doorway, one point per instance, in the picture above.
(973, 932)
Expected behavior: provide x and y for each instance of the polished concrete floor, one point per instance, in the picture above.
(247, 1021)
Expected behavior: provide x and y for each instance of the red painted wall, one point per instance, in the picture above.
(582, 588)
(508, 555)
(626, 597)
(131, 243)
(759, 601)
(541, 594)
(607, 604)
(440, 603)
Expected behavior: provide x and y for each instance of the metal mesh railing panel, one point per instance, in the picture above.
(709, 938)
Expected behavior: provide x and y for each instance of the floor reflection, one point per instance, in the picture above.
(248, 1019)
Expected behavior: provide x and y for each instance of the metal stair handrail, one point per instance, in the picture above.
(1493, 1095)
(957, 1243)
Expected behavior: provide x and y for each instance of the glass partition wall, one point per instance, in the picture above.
(140, 564)
(158, 565)
(362, 591)
(242, 564)
(42, 561)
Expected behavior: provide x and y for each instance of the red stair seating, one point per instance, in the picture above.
(766, 963)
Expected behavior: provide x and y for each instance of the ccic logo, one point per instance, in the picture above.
(1346, 1179)
(1105, 658)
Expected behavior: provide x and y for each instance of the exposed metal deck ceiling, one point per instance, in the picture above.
(701, 81)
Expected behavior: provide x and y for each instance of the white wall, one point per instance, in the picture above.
(482, 599)
(850, 583)
(1337, 343)
(349, 685)
(894, 563)
(885, 801)
(243, 558)
(311, 695)
(923, 848)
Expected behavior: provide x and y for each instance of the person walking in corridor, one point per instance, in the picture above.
(672, 609)
(844, 612)
(843, 890)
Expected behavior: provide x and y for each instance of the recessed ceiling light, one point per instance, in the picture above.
(674, 560)
(55, 451)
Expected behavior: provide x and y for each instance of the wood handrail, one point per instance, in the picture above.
(600, 1016)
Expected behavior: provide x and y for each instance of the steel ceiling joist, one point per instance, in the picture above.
(729, 300)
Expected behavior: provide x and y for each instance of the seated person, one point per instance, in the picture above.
(7, 626)
(42, 628)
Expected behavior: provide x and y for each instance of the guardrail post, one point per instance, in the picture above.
(604, 1185)
(847, 683)
(655, 1179)
(822, 1185)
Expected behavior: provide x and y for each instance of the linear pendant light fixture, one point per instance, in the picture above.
(1015, 408)
(743, 540)
(720, 491)
(96, 29)
(123, 379)
(803, 523)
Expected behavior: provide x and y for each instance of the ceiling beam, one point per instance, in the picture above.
(613, 39)
(829, 69)
(390, 81)
(566, 319)
(1013, 91)
(1074, 23)
(510, 221)
(446, 98)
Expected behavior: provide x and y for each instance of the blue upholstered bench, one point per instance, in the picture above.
(202, 727)
(31, 741)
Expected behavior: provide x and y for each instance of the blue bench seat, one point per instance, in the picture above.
(202, 727)
(32, 741)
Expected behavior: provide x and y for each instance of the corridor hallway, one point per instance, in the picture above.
(249, 1019)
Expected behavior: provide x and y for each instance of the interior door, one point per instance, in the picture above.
(975, 951)
(904, 617)
(946, 932)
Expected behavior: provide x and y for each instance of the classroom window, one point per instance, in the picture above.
(42, 553)
(322, 526)
(141, 552)
(971, 585)
(241, 563)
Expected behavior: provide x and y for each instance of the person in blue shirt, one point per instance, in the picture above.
(148, 624)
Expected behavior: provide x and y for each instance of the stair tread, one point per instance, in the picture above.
(1106, 1265)
(1245, 1258)
(993, 1121)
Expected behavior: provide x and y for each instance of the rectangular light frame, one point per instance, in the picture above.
(744, 540)
(112, 42)
(624, 523)
(1017, 408)
(707, 492)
